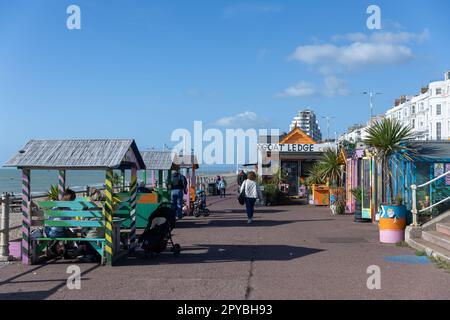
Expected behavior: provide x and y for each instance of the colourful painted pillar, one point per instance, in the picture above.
(373, 191)
(132, 202)
(61, 183)
(107, 215)
(153, 179)
(26, 198)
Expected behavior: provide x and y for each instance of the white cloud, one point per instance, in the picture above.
(245, 8)
(360, 50)
(332, 86)
(355, 55)
(247, 119)
(301, 89)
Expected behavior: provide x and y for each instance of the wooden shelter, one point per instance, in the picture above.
(63, 155)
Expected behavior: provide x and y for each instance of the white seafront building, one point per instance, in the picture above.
(428, 113)
(307, 121)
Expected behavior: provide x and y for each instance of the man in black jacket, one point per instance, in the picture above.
(178, 188)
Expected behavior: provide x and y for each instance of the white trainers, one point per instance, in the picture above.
(249, 221)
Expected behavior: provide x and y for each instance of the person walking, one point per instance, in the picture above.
(242, 176)
(252, 193)
(222, 187)
(218, 179)
(178, 188)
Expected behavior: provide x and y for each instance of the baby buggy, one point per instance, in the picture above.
(158, 232)
(200, 204)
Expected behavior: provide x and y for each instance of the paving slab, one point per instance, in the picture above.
(289, 252)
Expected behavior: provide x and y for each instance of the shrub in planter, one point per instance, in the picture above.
(272, 194)
(357, 194)
(388, 137)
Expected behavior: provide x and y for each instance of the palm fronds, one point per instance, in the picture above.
(388, 137)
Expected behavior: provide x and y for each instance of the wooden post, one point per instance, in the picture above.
(26, 210)
(132, 202)
(122, 180)
(4, 225)
(160, 179)
(145, 177)
(61, 183)
(107, 216)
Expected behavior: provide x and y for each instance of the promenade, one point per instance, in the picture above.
(290, 252)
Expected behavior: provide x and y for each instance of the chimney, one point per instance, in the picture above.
(423, 90)
(397, 102)
(402, 99)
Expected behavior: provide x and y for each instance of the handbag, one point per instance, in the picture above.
(241, 197)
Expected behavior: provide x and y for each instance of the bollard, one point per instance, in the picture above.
(4, 226)
(414, 205)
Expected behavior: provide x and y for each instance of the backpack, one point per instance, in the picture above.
(221, 184)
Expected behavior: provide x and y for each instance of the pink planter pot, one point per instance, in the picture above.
(392, 236)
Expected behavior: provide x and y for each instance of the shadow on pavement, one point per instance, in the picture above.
(203, 253)
(219, 223)
(37, 295)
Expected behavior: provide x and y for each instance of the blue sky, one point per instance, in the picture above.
(141, 69)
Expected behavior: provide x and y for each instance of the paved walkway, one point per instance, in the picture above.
(290, 252)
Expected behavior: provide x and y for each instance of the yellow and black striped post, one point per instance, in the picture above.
(108, 218)
(132, 202)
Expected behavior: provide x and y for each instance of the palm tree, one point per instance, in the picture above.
(314, 176)
(387, 137)
(330, 167)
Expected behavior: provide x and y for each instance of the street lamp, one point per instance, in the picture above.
(371, 94)
(328, 125)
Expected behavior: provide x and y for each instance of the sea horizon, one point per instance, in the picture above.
(41, 180)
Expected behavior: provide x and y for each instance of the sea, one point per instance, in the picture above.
(41, 180)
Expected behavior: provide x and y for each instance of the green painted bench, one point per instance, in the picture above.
(70, 214)
(143, 211)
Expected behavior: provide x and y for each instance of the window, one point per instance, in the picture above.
(413, 109)
(405, 112)
(438, 91)
(413, 123)
(438, 131)
(438, 110)
(421, 106)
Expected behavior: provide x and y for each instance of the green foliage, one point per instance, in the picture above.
(53, 193)
(357, 193)
(386, 138)
(272, 193)
(314, 175)
(330, 168)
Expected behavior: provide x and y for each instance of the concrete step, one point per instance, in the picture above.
(437, 238)
(431, 249)
(443, 228)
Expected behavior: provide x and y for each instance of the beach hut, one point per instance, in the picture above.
(63, 155)
(160, 164)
